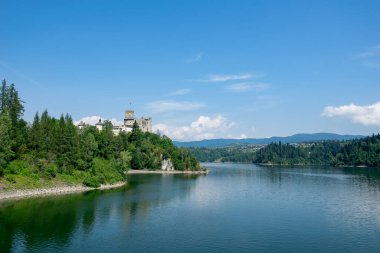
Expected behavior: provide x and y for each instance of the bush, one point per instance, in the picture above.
(15, 167)
(51, 172)
(34, 177)
(91, 182)
(10, 178)
(106, 172)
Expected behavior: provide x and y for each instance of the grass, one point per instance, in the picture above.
(33, 181)
(22, 177)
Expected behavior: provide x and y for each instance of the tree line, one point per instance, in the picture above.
(358, 152)
(52, 146)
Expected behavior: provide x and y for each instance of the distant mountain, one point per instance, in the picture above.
(297, 138)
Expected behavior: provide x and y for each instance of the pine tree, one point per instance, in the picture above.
(88, 150)
(136, 134)
(6, 153)
(11, 104)
(3, 96)
(34, 137)
(15, 105)
(50, 145)
(45, 134)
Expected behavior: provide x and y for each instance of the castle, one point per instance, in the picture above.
(144, 123)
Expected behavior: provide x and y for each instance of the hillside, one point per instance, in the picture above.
(297, 138)
(53, 151)
(358, 152)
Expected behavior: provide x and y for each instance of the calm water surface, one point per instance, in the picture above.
(235, 208)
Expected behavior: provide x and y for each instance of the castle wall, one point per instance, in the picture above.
(145, 124)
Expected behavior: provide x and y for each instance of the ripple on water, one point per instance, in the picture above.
(235, 208)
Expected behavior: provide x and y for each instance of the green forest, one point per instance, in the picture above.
(52, 151)
(358, 152)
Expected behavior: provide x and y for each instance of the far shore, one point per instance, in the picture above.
(60, 190)
(167, 172)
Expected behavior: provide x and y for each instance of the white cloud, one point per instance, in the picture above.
(247, 86)
(203, 128)
(89, 120)
(195, 58)
(167, 106)
(373, 52)
(371, 57)
(92, 120)
(116, 122)
(180, 92)
(367, 115)
(225, 78)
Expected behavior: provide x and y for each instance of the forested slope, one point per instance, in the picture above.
(54, 148)
(358, 152)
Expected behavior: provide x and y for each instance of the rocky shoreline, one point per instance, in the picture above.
(60, 190)
(17, 194)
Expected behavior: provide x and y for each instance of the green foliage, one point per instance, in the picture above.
(91, 182)
(237, 154)
(6, 153)
(17, 167)
(51, 172)
(105, 171)
(10, 178)
(11, 111)
(183, 160)
(3, 96)
(88, 150)
(136, 134)
(278, 153)
(123, 163)
(55, 149)
(137, 161)
(360, 152)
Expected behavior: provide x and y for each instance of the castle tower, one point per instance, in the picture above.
(99, 125)
(145, 124)
(81, 125)
(129, 118)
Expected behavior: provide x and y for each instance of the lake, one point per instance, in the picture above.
(235, 208)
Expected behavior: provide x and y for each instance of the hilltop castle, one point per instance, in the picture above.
(144, 123)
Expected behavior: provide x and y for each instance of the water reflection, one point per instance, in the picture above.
(239, 207)
(40, 220)
(37, 223)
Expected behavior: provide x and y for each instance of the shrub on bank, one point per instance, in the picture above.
(91, 182)
(11, 178)
(51, 172)
(17, 167)
(106, 171)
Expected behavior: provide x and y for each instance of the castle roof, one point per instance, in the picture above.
(99, 123)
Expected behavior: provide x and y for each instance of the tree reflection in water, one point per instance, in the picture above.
(29, 224)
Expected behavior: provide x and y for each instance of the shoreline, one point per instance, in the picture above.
(60, 190)
(132, 172)
(296, 165)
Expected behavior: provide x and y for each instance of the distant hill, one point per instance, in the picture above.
(297, 138)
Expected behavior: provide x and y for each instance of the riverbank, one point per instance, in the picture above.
(67, 189)
(60, 190)
(167, 172)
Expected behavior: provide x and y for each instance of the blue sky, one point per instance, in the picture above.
(201, 69)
